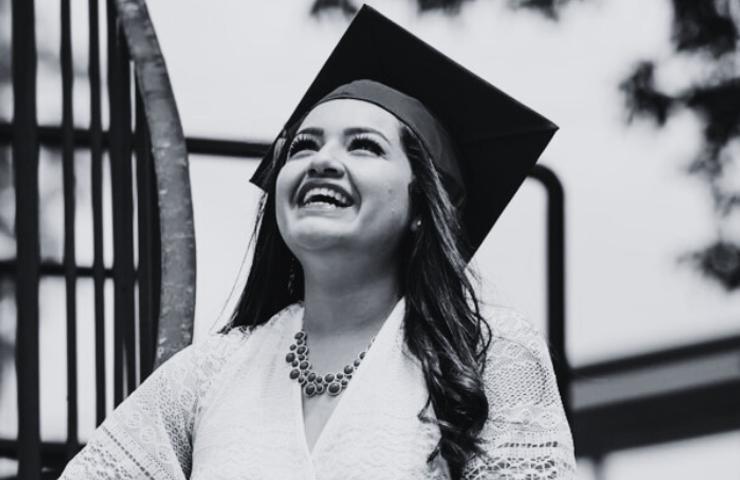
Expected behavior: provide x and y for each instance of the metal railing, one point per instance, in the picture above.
(156, 149)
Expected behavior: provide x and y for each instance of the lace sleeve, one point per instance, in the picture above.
(526, 435)
(149, 434)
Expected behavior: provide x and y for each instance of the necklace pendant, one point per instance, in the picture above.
(334, 389)
(310, 390)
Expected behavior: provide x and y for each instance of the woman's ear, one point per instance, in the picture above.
(414, 200)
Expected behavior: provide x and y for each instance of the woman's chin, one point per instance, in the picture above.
(320, 234)
(324, 210)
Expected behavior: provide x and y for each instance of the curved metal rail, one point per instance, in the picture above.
(177, 235)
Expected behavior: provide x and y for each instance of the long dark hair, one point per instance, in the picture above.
(443, 325)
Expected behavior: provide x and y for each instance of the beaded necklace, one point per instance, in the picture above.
(312, 383)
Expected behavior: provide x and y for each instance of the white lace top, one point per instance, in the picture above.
(225, 408)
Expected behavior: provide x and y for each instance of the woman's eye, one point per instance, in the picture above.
(367, 144)
(301, 144)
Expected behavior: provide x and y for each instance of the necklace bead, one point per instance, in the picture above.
(311, 382)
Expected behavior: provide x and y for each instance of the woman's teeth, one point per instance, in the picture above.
(327, 197)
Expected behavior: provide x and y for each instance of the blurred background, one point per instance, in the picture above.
(624, 247)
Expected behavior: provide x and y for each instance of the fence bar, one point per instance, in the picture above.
(147, 209)
(556, 279)
(114, 154)
(96, 157)
(52, 269)
(26, 164)
(128, 271)
(251, 151)
(120, 158)
(68, 181)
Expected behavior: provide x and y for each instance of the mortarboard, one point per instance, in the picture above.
(495, 139)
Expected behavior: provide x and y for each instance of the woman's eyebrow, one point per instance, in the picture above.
(314, 131)
(356, 130)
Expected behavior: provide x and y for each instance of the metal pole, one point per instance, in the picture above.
(147, 209)
(96, 157)
(556, 278)
(177, 292)
(69, 227)
(120, 158)
(25, 161)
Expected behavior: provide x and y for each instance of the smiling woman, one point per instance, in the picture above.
(358, 348)
(345, 186)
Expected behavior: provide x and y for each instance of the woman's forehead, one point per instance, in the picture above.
(343, 113)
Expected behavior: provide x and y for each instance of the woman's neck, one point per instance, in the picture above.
(348, 298)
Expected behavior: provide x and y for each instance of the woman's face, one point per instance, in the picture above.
(345, 183)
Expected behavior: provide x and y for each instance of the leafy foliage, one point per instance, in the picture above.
(720, 262)
(346, 7)
(549, 8)
(706, 30)
(642, 97)
(704, 25)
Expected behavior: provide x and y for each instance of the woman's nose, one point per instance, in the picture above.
(323, 164)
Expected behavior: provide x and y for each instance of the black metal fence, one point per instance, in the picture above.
(135, 323)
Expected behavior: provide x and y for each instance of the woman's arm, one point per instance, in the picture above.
(149, 434)
(526, 435)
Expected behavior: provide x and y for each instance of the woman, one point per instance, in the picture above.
(358, 348)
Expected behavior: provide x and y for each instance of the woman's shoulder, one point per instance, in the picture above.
(518, 364)
(213, 351)
(526, 430)
(220, 343)
(197, 364)
(510, 327)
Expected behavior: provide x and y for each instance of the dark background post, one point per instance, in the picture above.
(96, 180)
(70, 263)
(26, 165)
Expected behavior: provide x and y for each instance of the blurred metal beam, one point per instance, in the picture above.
(53, 269)
(229, 148)
(661, 396)
(25, 168)
(148, 275)
(52, 137)
(647, 421)
(556, 279)
(68, 189)
(96, 142)
(681, 353)
(119, 95)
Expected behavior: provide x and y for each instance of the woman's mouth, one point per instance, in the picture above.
(324, 196)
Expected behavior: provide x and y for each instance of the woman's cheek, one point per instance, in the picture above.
(286, 181)
(283, 183)
(395, 203)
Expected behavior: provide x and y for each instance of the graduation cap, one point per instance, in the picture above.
(494, 140)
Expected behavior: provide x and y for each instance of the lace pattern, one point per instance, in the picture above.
(527, 435)
(149, 434)
(215, 389)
